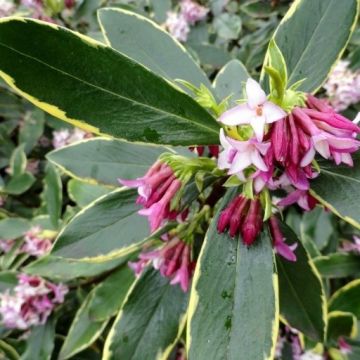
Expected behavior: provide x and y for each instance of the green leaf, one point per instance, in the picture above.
(52, 195)
(18, 161)
(8, 280)
(83, 331)
(347, 298)
(110, 294)
(104, 160)
(337, 188)
(110, 227)
(234, 291)
(40, 343)
(60, 269)
(114, 95)
(8, 351)
(83, 193)
(150, 321)
(228, 26)
(31, 129)
(230, 80)
(312, 36)
(12, 228)
(338, 265)
(147, 43)
(302, 297)
(341, 324)
(19, 184)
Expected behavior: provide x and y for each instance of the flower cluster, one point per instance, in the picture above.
(6, 8)
(178, 23)
(272, 149)
(173, 260)
(36, 243)
(31, 302)
(65, 137)
(343, 86)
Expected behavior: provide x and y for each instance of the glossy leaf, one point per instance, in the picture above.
(347, 298)
(341, 324)
(83, 331)
(150, 321)
(12, 228)
(52, 195)
(234, 290)
(147, 43)
(338, 265)
(302, 297)
(61, 269)
(337, 188)
(108, 228)
(131, 102)
(83, 193)
(110, 294)
(230, 80)
(40, 343)
(104, 160)
(312, 36)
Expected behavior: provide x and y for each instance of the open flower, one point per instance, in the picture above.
(239, 155)
(257, 112)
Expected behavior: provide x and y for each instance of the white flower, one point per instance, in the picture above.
(257, 112)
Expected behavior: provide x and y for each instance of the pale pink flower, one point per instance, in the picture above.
(35, 244)
(6, 8)
(352, 246)
(344, 346)
(239, 155)
(65, 137)
(31, 302)
(177, 26)
(192, 11)
(257, 112)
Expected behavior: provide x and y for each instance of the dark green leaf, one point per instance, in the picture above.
(52, 195)
(40, 343)
(312, 37)
(338, 265)
(341, 324)
(83, 331)
(67, 269)
(150, 321)
(110, 294)
(104, 160)
(83, 193)
(230, 80)
(147, 43)
(109, 227)
(19, 184)
(113, 95)
(347, 299)
(337, 188)
(302, 297)
(8, 280)
(234, 291)
(12, 228)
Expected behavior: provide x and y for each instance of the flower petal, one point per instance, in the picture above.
(273, 112)
(241, 161)
(238, 115)
(258, 161)
(258, 125)
(308, 157)
(255, 94)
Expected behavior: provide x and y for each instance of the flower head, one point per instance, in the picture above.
(192, 12)
(257, 112)
(31, 302)
(177, 26)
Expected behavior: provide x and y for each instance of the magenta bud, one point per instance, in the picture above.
(252, 224)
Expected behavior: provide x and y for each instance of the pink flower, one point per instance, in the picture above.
(65, 137)
(352, 246)
(177, 26)
(344, 347)
(239, 155)
(173, 260)
(301, 197)
(156, 190)
(6, 8)
(35, 244)
(242, 216)
(193, 12)
(279, 244)
(31, 302)
(257, 112)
